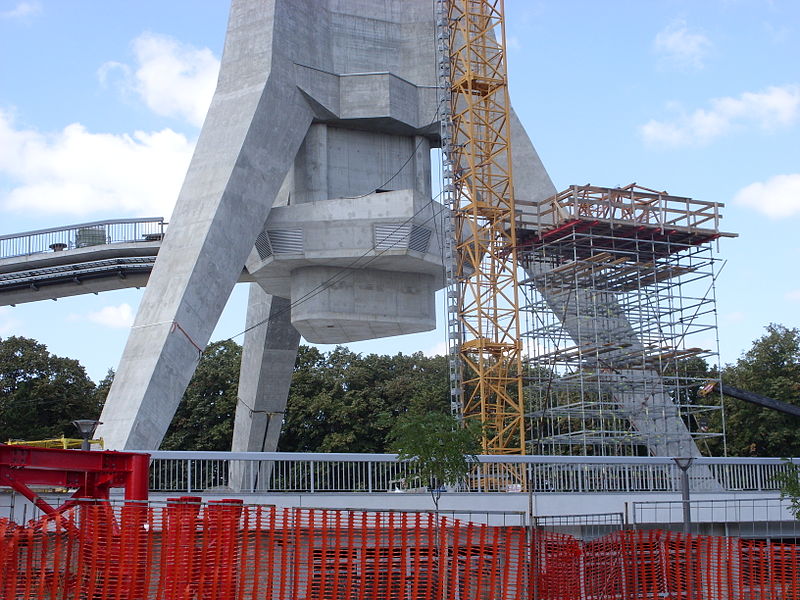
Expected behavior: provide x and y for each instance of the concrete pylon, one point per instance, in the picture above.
(325, 109)
(653, 413)
(335, 100)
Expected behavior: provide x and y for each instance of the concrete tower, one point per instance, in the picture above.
(326, 111)
(311, 174)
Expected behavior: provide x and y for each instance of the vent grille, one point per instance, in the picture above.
(262, 245)
(420, 238)
(388, 236)
(286, 241)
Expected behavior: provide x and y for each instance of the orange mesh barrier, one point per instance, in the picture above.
(187, 550)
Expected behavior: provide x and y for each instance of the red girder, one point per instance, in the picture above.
(92, 473)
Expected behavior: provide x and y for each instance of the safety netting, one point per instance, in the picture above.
(187, 550)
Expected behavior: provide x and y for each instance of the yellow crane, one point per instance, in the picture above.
(484, 313)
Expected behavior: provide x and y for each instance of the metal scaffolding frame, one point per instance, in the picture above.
(620, 304)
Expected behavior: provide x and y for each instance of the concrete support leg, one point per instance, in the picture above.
(242, 156)
(268, 361)
(653, 414)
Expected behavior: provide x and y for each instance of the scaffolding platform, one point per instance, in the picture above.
(621, 321)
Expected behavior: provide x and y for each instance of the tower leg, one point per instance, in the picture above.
(652, 413)
(268, 361)
(255, 125)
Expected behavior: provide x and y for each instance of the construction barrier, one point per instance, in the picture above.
(188, 550)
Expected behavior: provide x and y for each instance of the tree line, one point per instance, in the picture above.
(341, 401)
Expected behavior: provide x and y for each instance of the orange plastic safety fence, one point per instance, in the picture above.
(188, 550)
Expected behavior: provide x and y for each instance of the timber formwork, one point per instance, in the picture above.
(620, 315)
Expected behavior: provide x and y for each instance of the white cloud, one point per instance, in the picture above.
(172, 78)
(774, 108)
(8, 324)
(22, 10)
(78, 172)
(113, 317)
(794, 295)
(680, 48)
(777, 197)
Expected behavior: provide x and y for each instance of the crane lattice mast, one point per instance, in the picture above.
(484, 328)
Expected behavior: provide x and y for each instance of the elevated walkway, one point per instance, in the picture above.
(86, 258)
(78, 259)
(741, 498)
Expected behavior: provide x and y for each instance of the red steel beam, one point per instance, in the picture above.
(92, 473)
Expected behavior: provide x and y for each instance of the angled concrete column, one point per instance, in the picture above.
(270, 348)
(653, 414)
(241, 159)
(648, 407)
(267, 365)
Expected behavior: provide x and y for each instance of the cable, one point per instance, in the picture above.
(345, 271)
(388, 181)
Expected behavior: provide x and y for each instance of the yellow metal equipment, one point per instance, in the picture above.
(485, 269)
(61, 442)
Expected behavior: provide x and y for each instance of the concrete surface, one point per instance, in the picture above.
(319, 100)
(363, 73)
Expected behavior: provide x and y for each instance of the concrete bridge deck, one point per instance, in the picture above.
(86, 258)
(742, 499)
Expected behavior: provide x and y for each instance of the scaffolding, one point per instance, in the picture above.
(620, 317)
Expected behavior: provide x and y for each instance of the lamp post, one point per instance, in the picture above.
(86, 427)
(684, 464)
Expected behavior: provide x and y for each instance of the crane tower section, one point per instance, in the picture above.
(484, 325)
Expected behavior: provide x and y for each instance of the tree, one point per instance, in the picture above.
(204, 419)
(338, 402)
(789, 482)
(771, 368)
(40, 393)
(440, 447)
(103, 387)
(344, 402)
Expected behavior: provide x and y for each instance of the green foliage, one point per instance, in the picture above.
(204, 419)
(40, 393)
(771, 368)
(789, 481)
(103, 387)
(344, 402)
(338, 402)
(440, 447)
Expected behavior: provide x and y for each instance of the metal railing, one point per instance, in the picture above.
(370, 473)
(82, 235)
(631, 204)
(740, 517)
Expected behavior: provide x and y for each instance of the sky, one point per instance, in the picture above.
(101, 104)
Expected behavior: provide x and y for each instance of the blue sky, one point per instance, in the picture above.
(101, 102)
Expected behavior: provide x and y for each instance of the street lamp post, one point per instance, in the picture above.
(86, 427)
(684, 464)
